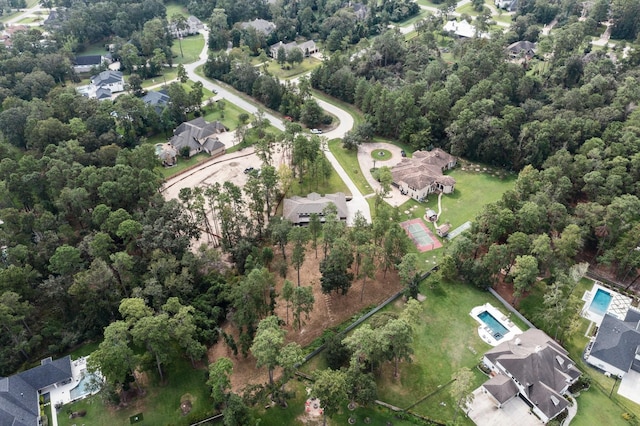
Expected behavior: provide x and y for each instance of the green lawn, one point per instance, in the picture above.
(183, 164)
(594, 405)
(412, 20)
(168, 75)
(381, 155)
(228, 116)
(428, 3)
(160, 406)
(175, 8)
(307, 65)
(311, 184)
(473, 191)
(191, 47)
(446, 340)
(349, 161)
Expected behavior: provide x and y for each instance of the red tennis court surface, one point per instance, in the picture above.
(422, 237)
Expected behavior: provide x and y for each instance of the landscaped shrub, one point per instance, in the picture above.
(582, 383)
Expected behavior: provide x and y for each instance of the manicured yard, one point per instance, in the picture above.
(229, 116)
(349, 161)
(160, 406)
(594, 405)
(307, 65)
(446, 340)
(473, 191)
(183, 164)
(311, 184)
(412, 20)
(168, 75)
(191, 47)
(175, 8)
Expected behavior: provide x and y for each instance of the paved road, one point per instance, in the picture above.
(358, 202)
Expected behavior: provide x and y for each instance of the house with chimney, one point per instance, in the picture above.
(533, 368)
(423, 174)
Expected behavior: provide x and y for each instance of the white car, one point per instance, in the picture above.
(316, 131)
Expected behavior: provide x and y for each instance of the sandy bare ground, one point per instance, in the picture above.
(329, 311)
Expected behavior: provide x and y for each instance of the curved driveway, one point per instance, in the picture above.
(358, 202)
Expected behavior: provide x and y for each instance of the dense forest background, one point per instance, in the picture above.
(85, 226)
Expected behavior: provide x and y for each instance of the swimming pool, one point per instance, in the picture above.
(600, 302)
(83, 388)
(497, 329)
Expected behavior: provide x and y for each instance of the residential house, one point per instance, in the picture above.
(194, 25)
(20, 393)
(463, 29)
(508, 5)
(298, 210)
(260, 25)
(87, 63)
(521, 49)
(103, 85)
(308, 48)
(422, 174)
(616, 347)
(157, 99)
(199, 136)
(9, 31)
(534, 368)
(55, 19)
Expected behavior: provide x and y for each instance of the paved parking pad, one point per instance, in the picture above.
(483, 412)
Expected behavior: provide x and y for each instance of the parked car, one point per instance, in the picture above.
(316, 131)
(404, 154)
(286, 117)
(248, 170)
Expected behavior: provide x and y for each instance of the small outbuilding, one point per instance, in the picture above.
(443, 230)
(431, 215)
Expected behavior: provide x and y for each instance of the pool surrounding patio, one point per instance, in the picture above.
(495, 327)
(75, 389)
(601, 300)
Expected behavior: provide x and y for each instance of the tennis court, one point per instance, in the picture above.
(422, 237)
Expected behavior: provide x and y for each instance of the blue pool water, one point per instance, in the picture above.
(600, 302)
(497, 329)
(83, 387)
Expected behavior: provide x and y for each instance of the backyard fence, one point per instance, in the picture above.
(511, 308)
(366, 316)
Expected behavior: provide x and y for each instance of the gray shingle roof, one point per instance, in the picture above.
(501, 388)
(88, 60)
(617, 341)
(424, 168)
(540, 365)
(298, 209)
(106, 77)
(195, 134)
(19, 405)
(261, 25)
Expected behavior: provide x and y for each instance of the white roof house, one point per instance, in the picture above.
(463, 29)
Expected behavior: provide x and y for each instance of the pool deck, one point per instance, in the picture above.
(618, 307)
(485, 332)
(62, 394)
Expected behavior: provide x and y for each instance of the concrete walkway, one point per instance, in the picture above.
(366, 162)
(572, 410)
